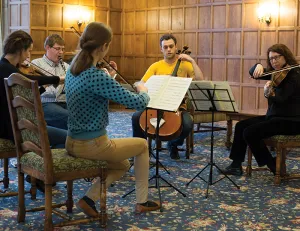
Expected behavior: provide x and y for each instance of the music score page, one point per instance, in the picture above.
(167, 92)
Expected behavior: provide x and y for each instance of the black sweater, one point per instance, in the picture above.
(286, 102)
(6, 69)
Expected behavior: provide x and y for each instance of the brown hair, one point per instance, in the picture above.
(282, 50)
(52, 39)
(95, 35)
(16, 42)
(167, 37)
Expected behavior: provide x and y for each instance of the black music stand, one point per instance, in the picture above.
(209, 101)
(157, 175)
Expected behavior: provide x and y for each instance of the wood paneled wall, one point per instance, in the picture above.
(51, 16)
(44, 17)
(225, 36)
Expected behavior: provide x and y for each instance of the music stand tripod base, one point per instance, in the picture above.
(157, 175)
(210, 96)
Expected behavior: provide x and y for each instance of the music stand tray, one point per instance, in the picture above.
(214, 97)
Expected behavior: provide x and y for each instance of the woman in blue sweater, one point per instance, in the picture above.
(88, 90)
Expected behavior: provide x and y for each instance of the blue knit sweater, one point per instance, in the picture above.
(87, 98)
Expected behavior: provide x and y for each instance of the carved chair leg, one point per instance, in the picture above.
(103, 214)
(33, 188)
(192, 141)
(21, 198)
(249, 163)
(48, 225)
(277, 179)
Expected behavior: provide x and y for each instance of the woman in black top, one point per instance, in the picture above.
(16, 50)
(283, 115)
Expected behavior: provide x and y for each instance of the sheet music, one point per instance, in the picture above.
(223, 96)
(155, 85)
(167, 92)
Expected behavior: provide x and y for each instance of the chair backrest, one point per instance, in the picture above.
(27, 118)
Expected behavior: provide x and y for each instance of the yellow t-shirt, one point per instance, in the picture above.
(163, 68)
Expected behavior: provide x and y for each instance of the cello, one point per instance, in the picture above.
(172, 126)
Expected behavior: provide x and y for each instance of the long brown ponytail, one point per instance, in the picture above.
(94, 35)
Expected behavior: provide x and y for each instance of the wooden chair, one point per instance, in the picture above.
(7, 150)
(280, 143)
(36, 159)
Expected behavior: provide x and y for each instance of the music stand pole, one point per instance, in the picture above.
(157, 176)
(151, 153)
(211, 163)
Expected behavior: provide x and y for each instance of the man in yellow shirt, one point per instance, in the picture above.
(188, 68)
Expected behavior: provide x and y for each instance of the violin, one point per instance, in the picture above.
(277, 76)
(30, 68)
(173, 120)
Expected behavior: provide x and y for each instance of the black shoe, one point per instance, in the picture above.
(87, 205)
(147, 206)
(173, 150)
(233, 171)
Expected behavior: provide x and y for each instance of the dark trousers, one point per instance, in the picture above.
(187, 126)
(56, 115)
(252, 131)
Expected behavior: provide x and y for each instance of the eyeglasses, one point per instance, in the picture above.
(59, 48)
(275, 58)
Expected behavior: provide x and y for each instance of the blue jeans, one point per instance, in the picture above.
(187, 126)
(57, 137)
(56, 115)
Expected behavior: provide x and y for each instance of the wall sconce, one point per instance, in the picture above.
(78, 14)
(265, 18)
(83, 17)
(265, 12)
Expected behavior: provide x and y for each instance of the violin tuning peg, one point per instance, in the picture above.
(179, 51)
(189, 52)
(185, 47)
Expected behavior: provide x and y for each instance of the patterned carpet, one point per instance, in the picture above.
(258, 205)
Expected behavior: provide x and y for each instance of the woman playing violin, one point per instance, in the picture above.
(16, 49)
(187, 69)
(88, 90)
(282, 117)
